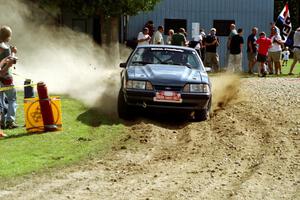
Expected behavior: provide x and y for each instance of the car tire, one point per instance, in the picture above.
(124, 111)
(202, 115)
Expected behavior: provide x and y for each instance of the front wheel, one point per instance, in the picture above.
(123, 108)
(202, 115)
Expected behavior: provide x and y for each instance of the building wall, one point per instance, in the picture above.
(246, 13)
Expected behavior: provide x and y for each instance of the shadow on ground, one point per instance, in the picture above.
(94, 117)
(19, 135)
(169, 120)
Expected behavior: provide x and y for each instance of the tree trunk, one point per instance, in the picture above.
(110, 36)
(109, 30)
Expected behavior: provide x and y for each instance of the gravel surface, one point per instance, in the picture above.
(249, 149)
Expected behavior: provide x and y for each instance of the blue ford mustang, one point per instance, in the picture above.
(164, 77)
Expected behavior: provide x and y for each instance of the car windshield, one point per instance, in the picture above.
(166, 56)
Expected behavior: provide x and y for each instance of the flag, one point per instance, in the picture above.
(284, 23)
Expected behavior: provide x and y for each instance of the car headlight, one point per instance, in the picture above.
(196, 88)
(140, 85)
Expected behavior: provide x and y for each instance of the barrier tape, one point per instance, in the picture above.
(16, 86)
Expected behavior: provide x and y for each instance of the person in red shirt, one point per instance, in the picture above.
(264, 44)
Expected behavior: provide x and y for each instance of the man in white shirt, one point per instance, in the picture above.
(296, 50)
(144, 37)
(158, 37)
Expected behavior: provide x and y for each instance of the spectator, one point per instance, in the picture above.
(296, 50)
(8, 61)
(252, 50)
(179, 38)
(231, 34)
(202, 49)
(202, 32)
(211, 43)
(198, 43)
(275, 52)
(235, 52)
(264, 44)
(8, 120)
(285, 56)
(169, 38)
(158, 37)
(144, 37)
(272, 25)
(150, 26)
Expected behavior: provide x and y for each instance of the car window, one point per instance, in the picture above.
(166, 56)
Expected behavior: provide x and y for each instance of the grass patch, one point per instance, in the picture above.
(285, 70)
(85, 134)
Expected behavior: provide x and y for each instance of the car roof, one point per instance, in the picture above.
(165, 46)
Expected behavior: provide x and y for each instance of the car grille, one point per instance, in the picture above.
(167, 88)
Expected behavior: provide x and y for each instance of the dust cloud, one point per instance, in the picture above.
(225, 89)
(68, 62)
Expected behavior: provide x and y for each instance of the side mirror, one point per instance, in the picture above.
(208, 69)
(123, 65)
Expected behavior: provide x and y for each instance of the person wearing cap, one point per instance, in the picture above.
(144, 37)
(211, 42)
(296, 57)
(264, 44)
(274, 54)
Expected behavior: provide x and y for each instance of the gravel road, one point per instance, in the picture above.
(248, 149)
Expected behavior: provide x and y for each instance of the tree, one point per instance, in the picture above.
(109, 12)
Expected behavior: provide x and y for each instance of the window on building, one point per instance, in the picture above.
(175, 24)
(223, 27)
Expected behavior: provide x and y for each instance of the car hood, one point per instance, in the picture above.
(167, 74)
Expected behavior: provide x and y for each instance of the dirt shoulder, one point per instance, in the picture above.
(249, 149)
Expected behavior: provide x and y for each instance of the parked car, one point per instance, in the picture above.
(166, 78)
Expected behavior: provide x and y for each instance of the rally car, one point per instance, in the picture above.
(166, 78)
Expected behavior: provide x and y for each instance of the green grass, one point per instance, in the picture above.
(285, 70)
(85, 134)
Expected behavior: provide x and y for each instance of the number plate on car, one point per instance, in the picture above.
(168, 96)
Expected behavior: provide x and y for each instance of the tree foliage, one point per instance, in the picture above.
(109, 8)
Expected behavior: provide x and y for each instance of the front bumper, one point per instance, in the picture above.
(190, 101)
